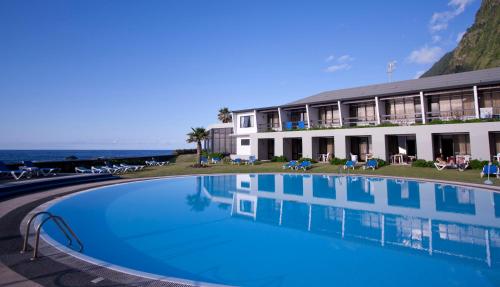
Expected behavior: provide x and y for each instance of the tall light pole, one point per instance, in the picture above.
(391, 66)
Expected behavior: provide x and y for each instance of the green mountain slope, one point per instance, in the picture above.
(479, 47)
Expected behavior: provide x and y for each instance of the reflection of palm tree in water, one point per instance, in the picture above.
(197, 201)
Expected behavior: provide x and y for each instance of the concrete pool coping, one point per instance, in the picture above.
(12, 278)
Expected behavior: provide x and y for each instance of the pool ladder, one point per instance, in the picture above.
(59, 221)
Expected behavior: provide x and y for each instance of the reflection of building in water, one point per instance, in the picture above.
(455, 199)
(433, 219)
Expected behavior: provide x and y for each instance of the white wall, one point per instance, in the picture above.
(242, 149)
(478, 133)
(245, 131)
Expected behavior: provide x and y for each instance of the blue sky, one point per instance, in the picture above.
(138, 74)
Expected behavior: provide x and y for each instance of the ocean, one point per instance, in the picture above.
(13, 156)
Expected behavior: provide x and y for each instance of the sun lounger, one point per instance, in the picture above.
(122, 169)
(251, 160)
(100, 169)
(204, 160)
(440, 165)
(132, 166)
(305, 165)
(215, 160)
(371, 163)
(156, 163)
(236, 161)
(45, 171)
(350, 164)
(16, 174)
(463, 162)
(81, 169)
(292, 164)
(490, 169)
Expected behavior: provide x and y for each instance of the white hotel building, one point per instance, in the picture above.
(451, 115)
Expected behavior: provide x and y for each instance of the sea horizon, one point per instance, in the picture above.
(18, 155)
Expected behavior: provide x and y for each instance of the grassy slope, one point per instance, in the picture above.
(478, 49)
(182, 167)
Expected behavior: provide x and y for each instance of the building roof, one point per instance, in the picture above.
(442, 82)
(220, 126)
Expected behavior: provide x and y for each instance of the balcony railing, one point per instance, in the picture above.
(333, 123)
(268, 127)
(452, 115)
(360, 121)
(300, 125)
(401, 119)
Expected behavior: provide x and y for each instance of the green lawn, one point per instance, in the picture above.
(183, 162)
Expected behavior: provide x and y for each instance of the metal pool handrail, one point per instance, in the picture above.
(59, 221)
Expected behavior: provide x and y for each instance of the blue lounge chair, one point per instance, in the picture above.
(236, 161)
(305, 165)
(490, 169)
(350, 164)
(301, 125)
(371, 163)
(204, 160)
(16, 174)
(292, 164)
(251, 160)
(215, 160)
(288, 125)
(45, 171)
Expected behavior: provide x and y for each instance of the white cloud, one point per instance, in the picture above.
(439, 20)
(338, 63)
(336, 68)
(425, 55)
(460, 36)
(345, 58)
(436, 38)
(418, 74)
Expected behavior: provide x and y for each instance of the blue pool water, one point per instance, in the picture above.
(292, 230)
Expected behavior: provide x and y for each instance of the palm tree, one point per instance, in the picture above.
(197, 136)
(197, 201)
(225, 115)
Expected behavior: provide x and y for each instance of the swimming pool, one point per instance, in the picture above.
(291, 230)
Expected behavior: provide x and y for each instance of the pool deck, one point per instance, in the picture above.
(56, 268)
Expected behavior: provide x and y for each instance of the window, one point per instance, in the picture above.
(246, 121)
(245, 142)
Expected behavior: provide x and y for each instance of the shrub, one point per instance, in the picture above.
(280, 158)
(338, 161)
(477, 164)
(422, 163)
(307, 159)
(216, 155)
(380, 162)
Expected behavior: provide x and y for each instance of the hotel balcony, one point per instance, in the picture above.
(297, 125)
(462, 115)
(320, 124)
(401, 119)
(268, 127)
(360, 121)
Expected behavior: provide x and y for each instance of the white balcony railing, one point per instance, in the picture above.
(462, 115)
(401, 119)
(333, 123)
(360, 121)
(268, 127)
